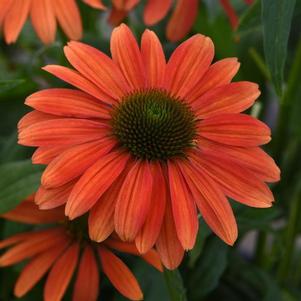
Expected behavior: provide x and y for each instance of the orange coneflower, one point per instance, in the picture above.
(63, 248)
(44, 14)
(143, 144)
(181, 20)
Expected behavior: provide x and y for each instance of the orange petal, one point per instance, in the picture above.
(182, 19)
(235, 181)
(218, 74)
(43, 20)
(134, 200)
(94, 182)
(28, 212)
(15, 19)
(151, 257)
(116, 16)
(68, 16)
(52, 198)
(152, 226)
(75, 79)
(101, 217)
(120, 275)
(130, 4)
(114, 242)
(4, 7)
(32, 118)
(95, 3)
(183, 207)
(37, 243)
(87, 280)
(230, 12)
(153, 59)
(73, 162)
(61, 273)
(187, 65)
(36, 269)
(168, 245)
(126, 54)
(253, 158)
(212, 203)
(69, 103)
(124, 4)
(235, 129)
(231, 98)
(98, 68)
(155, 10)
(65, 131)
(45, 154)
(14, 239)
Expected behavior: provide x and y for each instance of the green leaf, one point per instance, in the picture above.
(255, 218)
(250, 20)
(209, 268)
(10, 150)
(276, 18)
(18, 180)
(251, 282)
(10, 84)
(174, 281)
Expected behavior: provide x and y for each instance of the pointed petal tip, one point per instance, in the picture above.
(171, 265)
(142, 248)
(231, 237)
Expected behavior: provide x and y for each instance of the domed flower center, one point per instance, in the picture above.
(152, 125)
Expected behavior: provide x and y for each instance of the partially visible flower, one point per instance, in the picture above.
(63, 248)
(44, 14)
(144, 144)
(231, 12)
(181, 20)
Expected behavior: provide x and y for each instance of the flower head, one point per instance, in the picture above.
(44, 14)
(63, 248)
(143, 145)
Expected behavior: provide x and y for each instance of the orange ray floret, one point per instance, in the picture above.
(44, 15)
(148, 143)
(64, 250)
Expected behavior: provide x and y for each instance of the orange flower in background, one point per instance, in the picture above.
(44, 15)
(144, 144)
(180, 23)
(231, 12)
(63, 249)
(181, 20)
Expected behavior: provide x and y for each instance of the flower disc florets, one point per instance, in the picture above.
(153, 125)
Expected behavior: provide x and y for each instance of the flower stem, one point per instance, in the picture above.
(290, 235)
(175, 286)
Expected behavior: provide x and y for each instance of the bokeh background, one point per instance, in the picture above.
(265, 263)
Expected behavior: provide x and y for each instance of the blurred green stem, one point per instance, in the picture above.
(259, 61)
(290, 235)
(262, 236)
(175, 286)
(286, 103)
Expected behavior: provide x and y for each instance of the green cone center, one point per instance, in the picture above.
(152, 125)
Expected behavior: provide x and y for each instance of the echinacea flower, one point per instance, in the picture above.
(181, 20)
(44, 14)
(144, 145)
(63, 250)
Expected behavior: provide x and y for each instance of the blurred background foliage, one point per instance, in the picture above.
(265, 263)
